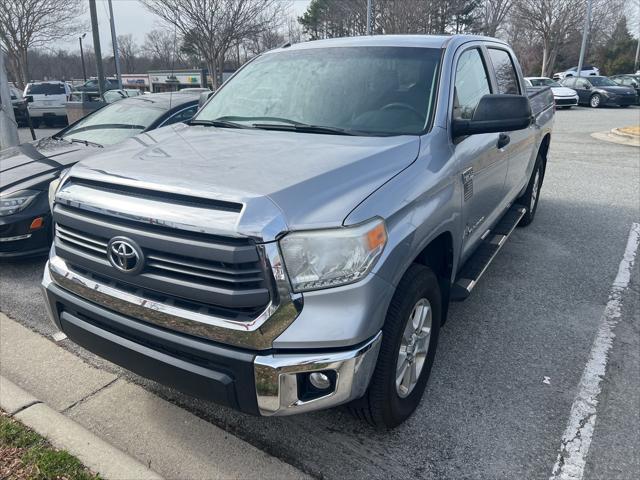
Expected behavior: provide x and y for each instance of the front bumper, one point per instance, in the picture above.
(260, 383)
(17, 239)
(566, 101)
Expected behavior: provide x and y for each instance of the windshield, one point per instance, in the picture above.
(115, 122)
(364, 90)
(543, 82)
(46, 89)
(602, 82)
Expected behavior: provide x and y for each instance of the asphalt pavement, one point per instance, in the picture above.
(510, 358)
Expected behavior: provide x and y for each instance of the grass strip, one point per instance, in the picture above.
(26, 455)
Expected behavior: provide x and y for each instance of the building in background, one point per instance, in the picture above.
(174, 80)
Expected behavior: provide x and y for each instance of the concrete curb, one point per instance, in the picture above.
(163, 437)
(616, 136)
(64, 433)
(617, 131)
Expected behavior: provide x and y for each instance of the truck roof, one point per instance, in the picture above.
(424, 41)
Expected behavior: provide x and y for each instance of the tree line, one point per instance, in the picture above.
(222, 34)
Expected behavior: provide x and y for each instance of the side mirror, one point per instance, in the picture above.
(28, 98)
(204, 96)
(587, 87)
(496, 114)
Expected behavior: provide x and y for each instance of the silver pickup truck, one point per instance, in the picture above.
(296, 245)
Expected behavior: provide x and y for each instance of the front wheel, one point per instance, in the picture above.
(409, 340)
(595, 101)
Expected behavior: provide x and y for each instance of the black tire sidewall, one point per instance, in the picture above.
(419, 282)
(525, 199)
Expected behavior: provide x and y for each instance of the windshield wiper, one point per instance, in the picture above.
(218, 122)
(304, 128)
(86, 142)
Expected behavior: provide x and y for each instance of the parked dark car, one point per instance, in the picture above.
(598, 91)
(27, 170)
(19, 106)
(629, 80)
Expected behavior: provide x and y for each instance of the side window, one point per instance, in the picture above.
(506, 76)
(471, 84)
(581, 83)
(181, 116)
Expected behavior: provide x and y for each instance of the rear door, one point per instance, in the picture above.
(519, 150)
(483, 166)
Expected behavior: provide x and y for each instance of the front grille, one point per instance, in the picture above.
(191, 270)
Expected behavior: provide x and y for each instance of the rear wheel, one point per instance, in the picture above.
(409, 340)
(532, 194)
(35, 122)
(595, 100)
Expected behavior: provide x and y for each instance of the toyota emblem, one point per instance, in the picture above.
(125, 255)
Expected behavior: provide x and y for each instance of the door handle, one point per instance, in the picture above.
(503, 140)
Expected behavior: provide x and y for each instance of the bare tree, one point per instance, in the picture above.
(128, 50)
(494, 15)
(553, 21)
(26, 24)
(215, 26)
(162, 46)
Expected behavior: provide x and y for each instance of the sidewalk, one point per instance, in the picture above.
(159, 435)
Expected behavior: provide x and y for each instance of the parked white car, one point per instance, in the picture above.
(587, 70)
(563, 96)
(47, 101)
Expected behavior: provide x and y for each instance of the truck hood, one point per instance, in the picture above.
(306, 180)
(23, 165)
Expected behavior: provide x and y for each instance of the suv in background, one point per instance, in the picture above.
(47, 102)
(587, 70)
(92, 85)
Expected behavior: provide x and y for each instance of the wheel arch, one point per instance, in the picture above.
(438, 255)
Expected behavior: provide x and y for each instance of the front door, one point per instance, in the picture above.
(482, 164)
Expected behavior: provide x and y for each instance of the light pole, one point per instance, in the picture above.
(114, 41)
(585, 34)
(84, 70)
(369, 15)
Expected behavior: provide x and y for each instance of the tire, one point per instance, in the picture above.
(531, 195)
(624, 106)
(35, 123)
(383, 405)
(595, 101)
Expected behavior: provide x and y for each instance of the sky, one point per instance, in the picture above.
(131, 17)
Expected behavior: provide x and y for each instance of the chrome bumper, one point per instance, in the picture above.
(275, 375)
(277, 378)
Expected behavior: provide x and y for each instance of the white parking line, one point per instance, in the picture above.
(577, 436)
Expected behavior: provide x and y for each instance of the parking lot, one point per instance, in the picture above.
(488, 411)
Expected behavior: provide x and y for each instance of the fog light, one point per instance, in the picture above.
(320, 380)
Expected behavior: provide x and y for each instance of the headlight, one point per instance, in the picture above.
(53, 187)
(16, 202)
(318, 259)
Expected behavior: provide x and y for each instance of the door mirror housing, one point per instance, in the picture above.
(496, 114)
